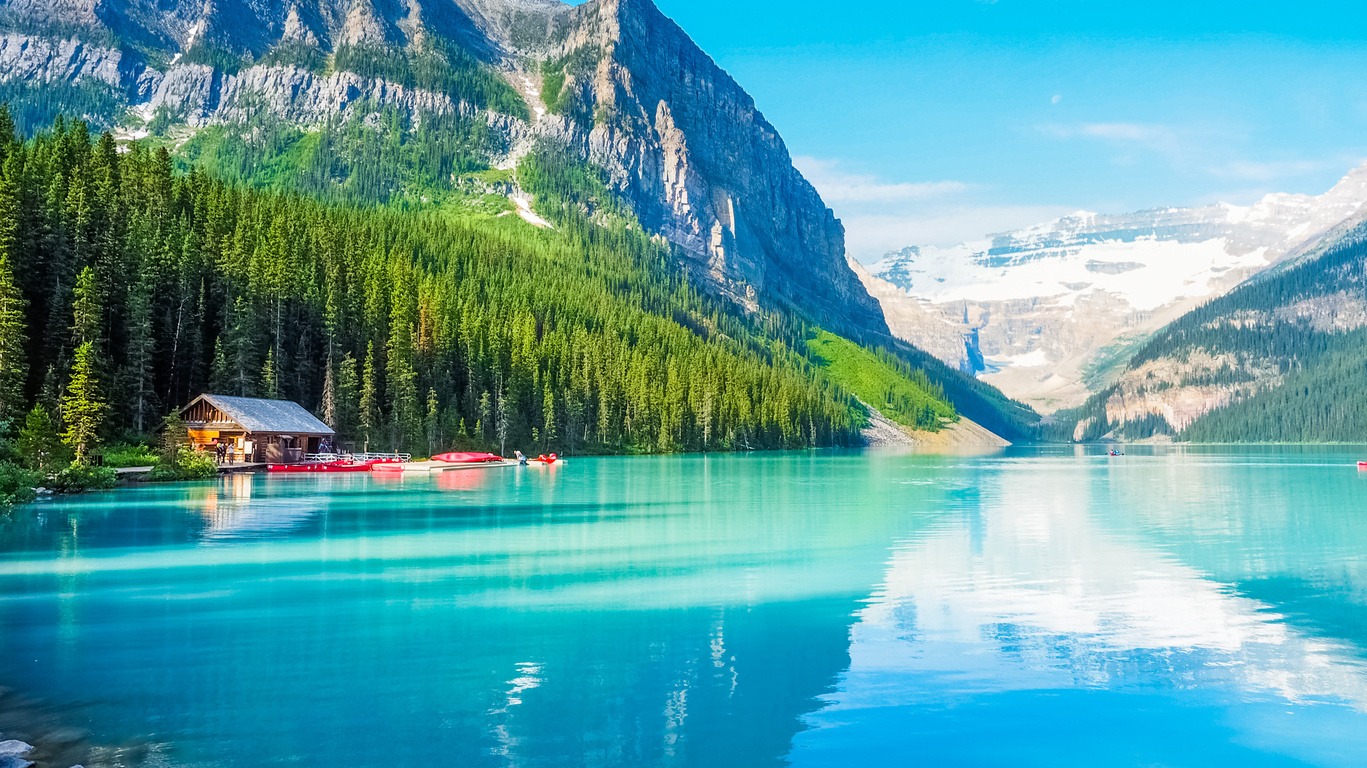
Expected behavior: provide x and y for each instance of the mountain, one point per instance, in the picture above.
(613, 83)
(544, 156)
(1046, 312)
(1282, 358)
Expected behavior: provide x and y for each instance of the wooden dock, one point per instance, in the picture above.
(237, 467)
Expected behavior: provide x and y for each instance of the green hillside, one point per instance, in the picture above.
(904, 395)
(415, 330)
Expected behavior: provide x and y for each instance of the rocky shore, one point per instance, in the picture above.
(33, 735)
(962, 435)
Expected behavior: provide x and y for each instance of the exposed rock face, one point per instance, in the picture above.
(686, 144)
(1041, 312)
(1178, 387)
(1179, 390)
(23, 57)
(677, 136)
(201, 95)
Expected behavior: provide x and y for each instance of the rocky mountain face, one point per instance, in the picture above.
(1046, 313)
(612, 82)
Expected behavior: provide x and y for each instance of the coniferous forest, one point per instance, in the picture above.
(1286, 323)
(127, 288)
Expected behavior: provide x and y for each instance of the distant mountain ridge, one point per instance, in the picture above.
(612, 82)
(1041, 311)
(1282, 358)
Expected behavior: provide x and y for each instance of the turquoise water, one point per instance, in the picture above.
(1051, 608)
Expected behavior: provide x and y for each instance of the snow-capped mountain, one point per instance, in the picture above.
(1040, 311)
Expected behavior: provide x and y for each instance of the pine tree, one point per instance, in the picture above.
(482, 417)
(329, 414)
(369, 417)
(86, 310)
(502, 419)
(242, 350)
(9, 141)
(141, 349)
(83, 407)
(39, 444)
(270, 380)
(13, 361)
(348, 397)
(220, 374)
(434, 435)
(549, 430)
(401, 379)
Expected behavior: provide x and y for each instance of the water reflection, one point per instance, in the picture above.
(819, 609)
(1061, 589)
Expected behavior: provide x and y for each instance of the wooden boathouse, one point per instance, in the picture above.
(256, 430)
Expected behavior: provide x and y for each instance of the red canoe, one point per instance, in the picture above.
(1362, 465)
(544, 459)
(467, 458)
(323, 467)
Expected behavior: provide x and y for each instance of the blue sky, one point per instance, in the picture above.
(934, 122)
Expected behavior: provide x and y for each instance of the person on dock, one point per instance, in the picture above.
(521, 457)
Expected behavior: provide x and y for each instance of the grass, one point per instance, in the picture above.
(903, 395)
(130, 455)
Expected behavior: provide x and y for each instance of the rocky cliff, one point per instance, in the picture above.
(628, 91)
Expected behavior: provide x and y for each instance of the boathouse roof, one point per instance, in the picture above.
(254, 415)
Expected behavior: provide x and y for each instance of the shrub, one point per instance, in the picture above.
(16, 485)
(196, 466)
(39, 444)
(77, 478)
(188, 465)
(130, 455)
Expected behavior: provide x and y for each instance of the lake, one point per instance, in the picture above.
(1046, 607)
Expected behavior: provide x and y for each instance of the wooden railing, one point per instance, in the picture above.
(311, 457)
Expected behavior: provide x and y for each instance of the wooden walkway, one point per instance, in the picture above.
(234, 467)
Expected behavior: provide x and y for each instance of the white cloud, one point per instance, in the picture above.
(1252, 170)
(882, 216)
(1150, 135)
(840, 186)
(869, 236)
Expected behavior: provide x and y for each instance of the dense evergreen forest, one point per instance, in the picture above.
(1286, 322)
(126, 288)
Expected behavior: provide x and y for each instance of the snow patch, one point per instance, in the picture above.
(529, 88)
(1037, 359)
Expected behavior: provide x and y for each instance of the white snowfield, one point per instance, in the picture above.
(1051, 296)
(1145, 273)
(1146, 259)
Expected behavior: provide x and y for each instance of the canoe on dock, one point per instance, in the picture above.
(437, 466)
(322, 467)
(468, 458)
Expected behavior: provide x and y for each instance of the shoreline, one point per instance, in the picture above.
(56, 744)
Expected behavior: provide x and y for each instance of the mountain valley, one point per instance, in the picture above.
(1049, 312)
